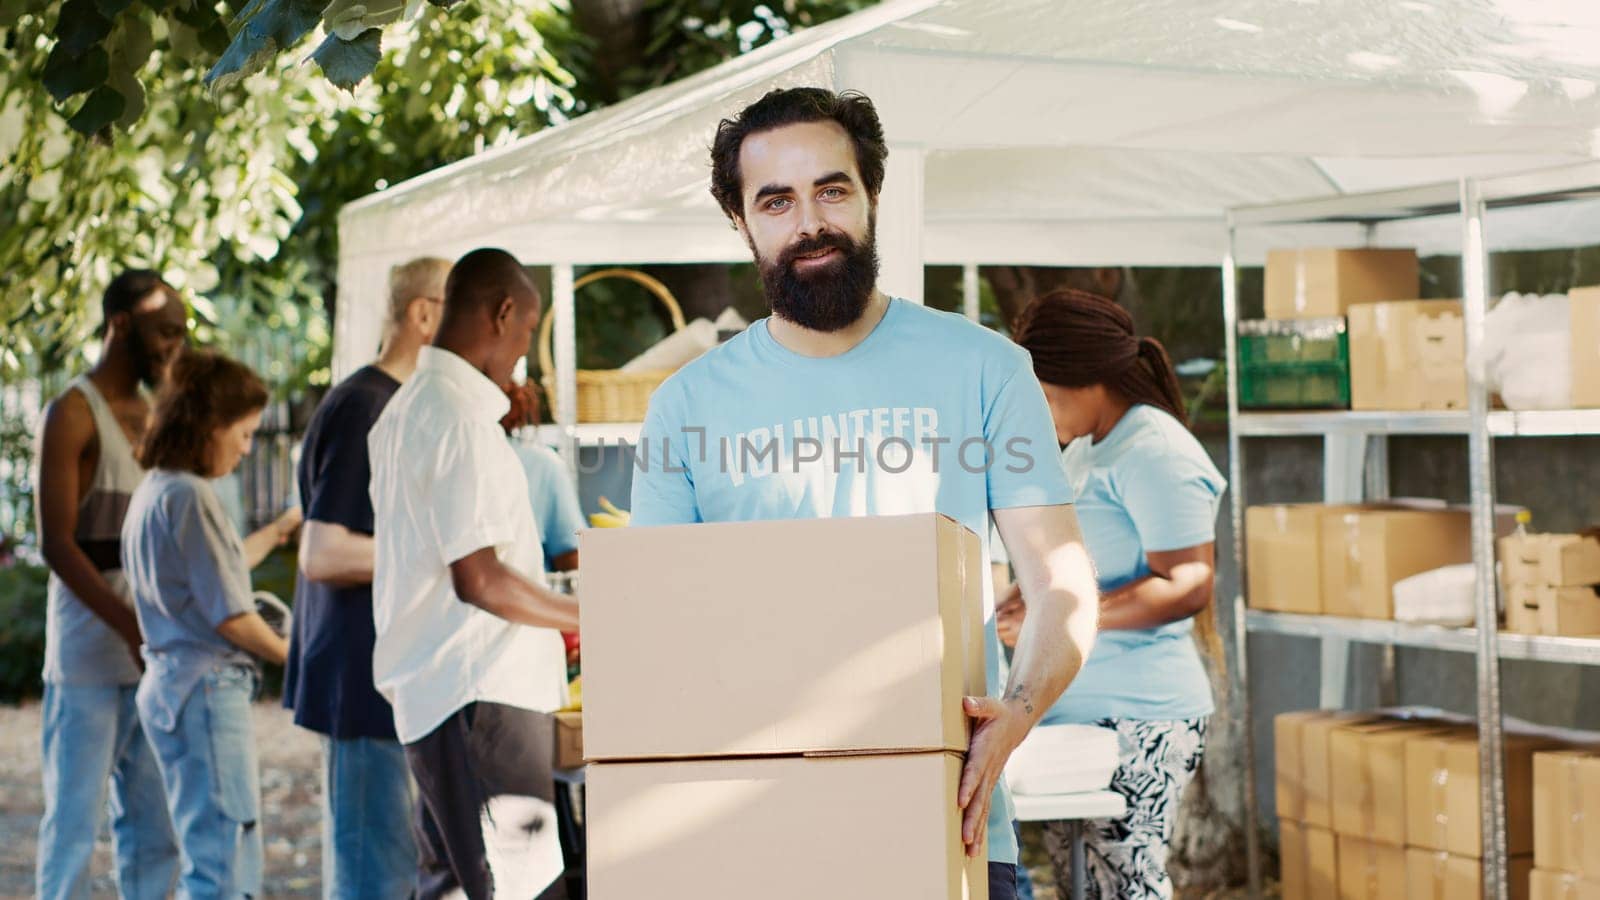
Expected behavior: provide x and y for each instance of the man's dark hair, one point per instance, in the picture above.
(125, 292)
(483, 278)
(795, 106)
(205, 391)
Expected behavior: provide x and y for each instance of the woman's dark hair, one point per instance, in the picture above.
(1078, 339)
(794, 106)
(203, 392)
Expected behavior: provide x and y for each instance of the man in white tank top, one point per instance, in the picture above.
(86, 473)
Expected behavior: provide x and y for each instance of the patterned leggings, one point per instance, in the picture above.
(1127, 857)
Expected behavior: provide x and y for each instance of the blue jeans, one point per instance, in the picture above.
(367, 808)
(213, 779)
(94, 750)
(1024, 880)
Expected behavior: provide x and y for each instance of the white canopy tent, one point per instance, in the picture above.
(1046, 132)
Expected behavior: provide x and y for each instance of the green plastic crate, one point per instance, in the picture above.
(1293, 341)
(1294, 364)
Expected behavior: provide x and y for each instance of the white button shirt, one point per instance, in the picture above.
(445, 484)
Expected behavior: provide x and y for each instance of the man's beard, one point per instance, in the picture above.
(830, 297)
(149, 367)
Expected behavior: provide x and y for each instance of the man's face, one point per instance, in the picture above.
(157, 329)
(515, 338)
(810, 222)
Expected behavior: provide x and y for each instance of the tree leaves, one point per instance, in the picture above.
(103, 107)
(346, 63)
(271, 26)
(81, 26)
(66, 74)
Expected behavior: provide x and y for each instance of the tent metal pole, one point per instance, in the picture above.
(1241, 678)
(969, 291)
(564, 308)
(900, 222)
(1480, 464)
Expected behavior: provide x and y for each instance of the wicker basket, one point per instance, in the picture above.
(609, 395)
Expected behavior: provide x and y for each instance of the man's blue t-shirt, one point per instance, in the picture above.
(327, 679)
(553, 497)
(929, 413)
(1148, 487)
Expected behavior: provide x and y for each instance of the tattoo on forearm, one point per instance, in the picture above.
(1020, 691)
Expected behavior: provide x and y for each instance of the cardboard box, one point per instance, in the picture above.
(1585, 305)
(569, 740)
(1315, 282)
(801, 828)
(1371, 871)
(1522, 609)
(1566, 812)
(1365, 551)
(768, 638)
(1316, 773)
(1442, 792)
(1561, 886)
(1284, 555)
(1309, 862)
(1433, 875)
(1562, 560)
(1408, 355)
(1367, 763)
(1568, 611)
(1288, 741)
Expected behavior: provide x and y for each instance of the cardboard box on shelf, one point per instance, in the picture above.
(1435, 875)
(569, 740)
(1369, 870)
(1566, 811)
(1408, 355)
(1561, 886)
(1309, 862)
(1562, 560)
(656, 829)
(1365, 551)
(1284, 556)
(759, 662)
(1367, 763)
(1442, 792)
(1568, 611)
(1522, 609)
(1313, 283)
(1316, 773)
(1585, 305)
(1288, 740)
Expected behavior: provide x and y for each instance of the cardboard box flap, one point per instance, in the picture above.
(1566, 811)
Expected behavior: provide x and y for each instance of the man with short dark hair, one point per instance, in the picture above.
(86, 474)
(469, 648)
(873, 406)
(367, 847)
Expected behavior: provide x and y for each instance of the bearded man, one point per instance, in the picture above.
(847, 402)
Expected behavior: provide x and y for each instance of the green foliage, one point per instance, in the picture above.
(22, 613)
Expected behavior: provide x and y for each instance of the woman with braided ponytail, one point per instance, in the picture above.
(1148, 497)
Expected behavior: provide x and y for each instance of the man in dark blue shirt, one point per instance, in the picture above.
(368, 849)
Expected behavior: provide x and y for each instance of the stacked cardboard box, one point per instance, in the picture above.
(1551, 583)
(1372, 807)
(759, 717)
(1319, 282)
(1408, 355)
(1566, 825)
(1345, 560)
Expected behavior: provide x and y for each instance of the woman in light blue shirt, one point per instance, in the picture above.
(189, 572)
(1147, 496)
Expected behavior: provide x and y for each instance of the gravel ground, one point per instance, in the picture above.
(290, 758)
(292, 820)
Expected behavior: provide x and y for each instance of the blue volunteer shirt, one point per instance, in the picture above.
(554, 499)
(1148, 487)
(929, 413)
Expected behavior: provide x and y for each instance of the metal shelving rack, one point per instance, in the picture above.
(1355, 467)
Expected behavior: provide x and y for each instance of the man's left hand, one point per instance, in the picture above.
(999, 728)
